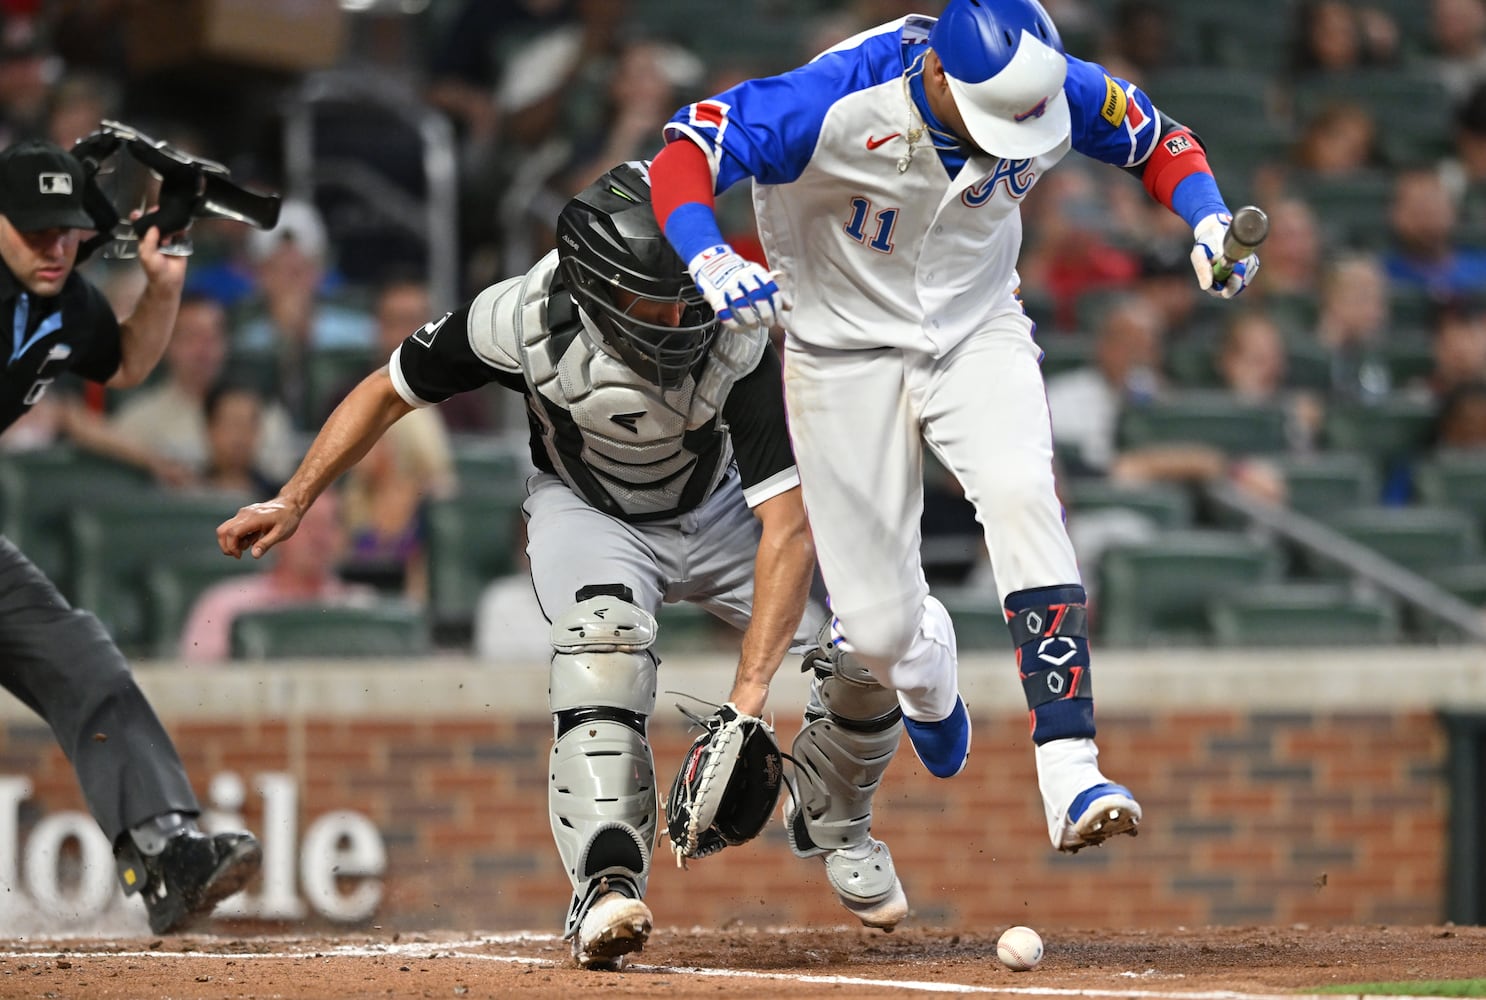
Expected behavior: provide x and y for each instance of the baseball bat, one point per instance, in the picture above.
(1248, 229)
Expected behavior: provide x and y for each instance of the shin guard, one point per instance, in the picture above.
(1050, 630)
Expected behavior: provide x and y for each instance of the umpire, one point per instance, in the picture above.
(57, 659)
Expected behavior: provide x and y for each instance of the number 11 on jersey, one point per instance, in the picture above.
(856, 226)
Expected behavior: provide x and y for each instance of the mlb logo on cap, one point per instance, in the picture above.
(56, 183)
(41, 187)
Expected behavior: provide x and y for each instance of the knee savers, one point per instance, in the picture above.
(601, 777)
(1050, 630)
(852, 729)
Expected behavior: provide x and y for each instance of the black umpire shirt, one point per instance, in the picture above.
(73, 330)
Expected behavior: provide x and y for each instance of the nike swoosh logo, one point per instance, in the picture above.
(873, 142)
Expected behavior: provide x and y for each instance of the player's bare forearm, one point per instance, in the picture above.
(143, 336)
(782, 571)
(349, 432)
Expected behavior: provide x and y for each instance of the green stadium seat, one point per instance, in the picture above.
(1308, 363)
(1190, 363)
(171, 591)
(1424, 539)
(1353, 209)
(330, 374)
(689, 628)
(1303, 615)
(1158, 592)
(1408, 356)
(490, 469)
(470, 542)
(1322, 482)
(1413, 311)
(1294, 314)
(117, 543)
(1191, 95)
(1213, 418)
(980, 624)
(1065, 352)
(1454, 479)
(389, 629)
(1392, 428)
(1415, 105)
(41, 488)
(1166, 505)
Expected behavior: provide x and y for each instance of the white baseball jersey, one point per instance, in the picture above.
(882, 239)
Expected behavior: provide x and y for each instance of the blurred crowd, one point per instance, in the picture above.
(1359, 126)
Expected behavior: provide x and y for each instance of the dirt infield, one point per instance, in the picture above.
(1183, 964)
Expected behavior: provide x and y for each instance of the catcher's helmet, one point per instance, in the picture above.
(613, 257)
(1006, 68)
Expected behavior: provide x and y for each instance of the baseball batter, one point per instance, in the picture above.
(665, 474)
(888, 178)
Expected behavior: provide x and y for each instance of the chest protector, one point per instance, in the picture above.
(615, 438)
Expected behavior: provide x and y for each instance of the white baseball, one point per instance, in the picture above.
(1019, 949)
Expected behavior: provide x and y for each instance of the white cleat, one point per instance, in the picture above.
(613, 927)
(867, 884)
(1097, 814)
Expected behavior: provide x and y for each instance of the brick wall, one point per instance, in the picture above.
(1251, 816)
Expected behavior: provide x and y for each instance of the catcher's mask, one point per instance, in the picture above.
(628, 281)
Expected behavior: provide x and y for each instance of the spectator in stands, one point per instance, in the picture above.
(1069, 252)
(1292, 254)
(1139, 41)
(1339, 140)
(1252, 365)
(303, 571)
(295, 313)
(1334, 36)
(1461, 423)
(1425, 256)
(1086, 405)
(1163, 284)
(650, 78)
(169, 419)
(234, 431)
(1464, 171)
(1459, 351)
(78, 105)
(27, 68)
(1352, 323)
(1458, 38)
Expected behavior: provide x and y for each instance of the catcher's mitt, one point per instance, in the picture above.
(727, 786)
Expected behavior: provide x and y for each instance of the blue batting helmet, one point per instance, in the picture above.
(1006, 68)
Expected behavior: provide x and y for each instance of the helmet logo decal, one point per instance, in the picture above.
(1035, 111)
(1018, 176)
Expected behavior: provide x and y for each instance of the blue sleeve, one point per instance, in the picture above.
(768, 128)
(1113, 120)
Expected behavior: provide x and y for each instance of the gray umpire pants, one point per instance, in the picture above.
(61, 662)
(704, 556)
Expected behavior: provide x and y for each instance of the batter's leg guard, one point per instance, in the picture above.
(852, 729)
(1050, 630)
(601, 785)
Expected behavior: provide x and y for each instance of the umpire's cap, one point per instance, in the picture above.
(41, 187)
(1006, 67)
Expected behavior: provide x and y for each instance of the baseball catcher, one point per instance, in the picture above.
(664, 474)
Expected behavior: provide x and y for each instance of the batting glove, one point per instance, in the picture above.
(740, 292)
(1209, 234)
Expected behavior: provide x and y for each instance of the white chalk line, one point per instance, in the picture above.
(429, 950)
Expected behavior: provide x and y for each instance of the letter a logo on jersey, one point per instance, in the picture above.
(1017, 175)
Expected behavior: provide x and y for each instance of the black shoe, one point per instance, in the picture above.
(194, 873)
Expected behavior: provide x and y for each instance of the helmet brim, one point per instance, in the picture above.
(1040, 132)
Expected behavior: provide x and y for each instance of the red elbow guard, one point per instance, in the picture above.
(1176, 157)
(679, 175)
